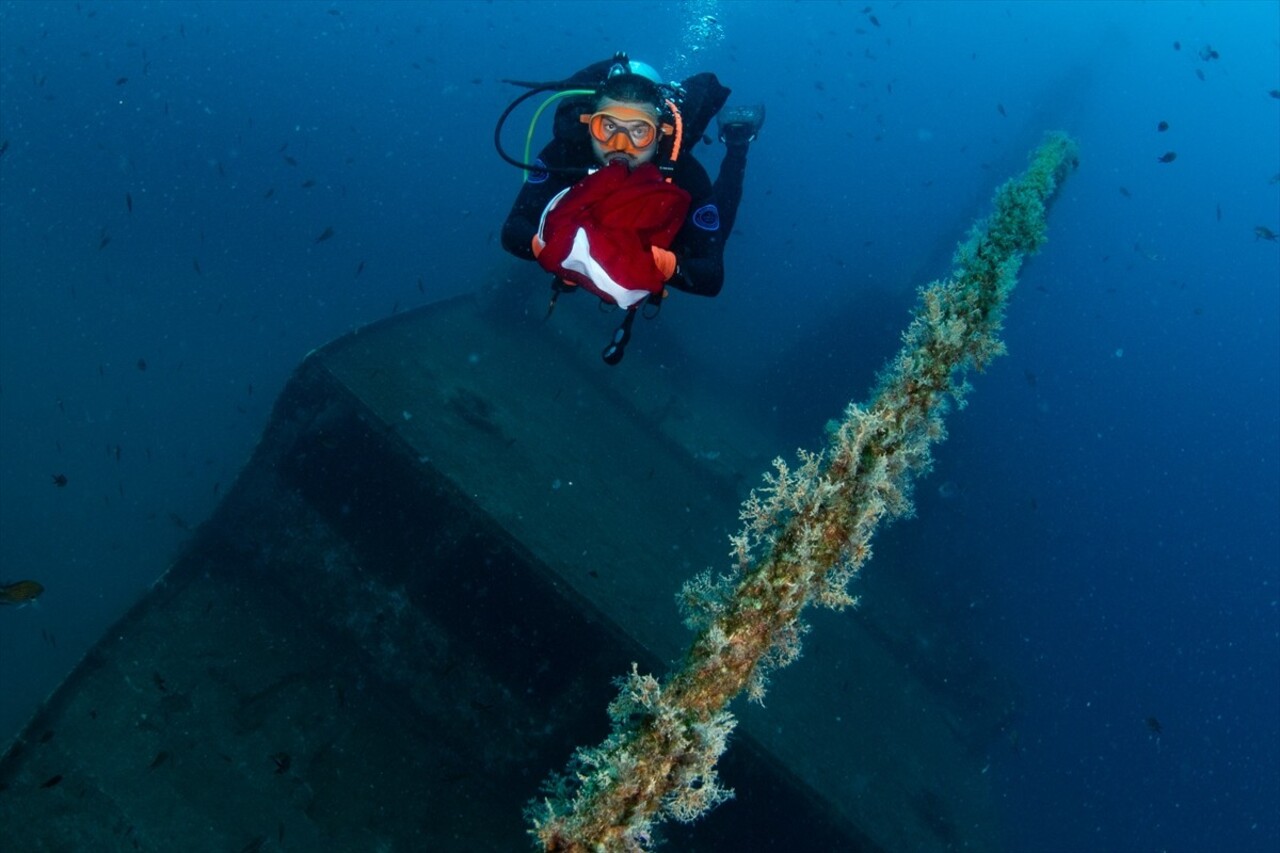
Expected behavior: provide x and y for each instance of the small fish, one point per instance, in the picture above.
(21, 592)
(1162, 127)
(1275, 179)
(1000, 109)
(128, 201)
(195, 265)
(1262, 232)
(1167, 157)
(51, 781)
(1200, 74)
(120, 81)
(1218, 212)
(142, 365)
(1275, 93)
(359, 269)
(158, 680)
(308, 183)
(102, 243)
(325, 235)
(874, 21)
(1154, 725)
(4, 146)
(59, 480)
(1207, 53)
(422, 285)
(1137, 248)
(1177, 45)
(290, 160)
(1124, 192)
(282, 761)
(269, 193)
(161, 757)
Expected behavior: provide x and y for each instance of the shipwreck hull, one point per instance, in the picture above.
(458, 529)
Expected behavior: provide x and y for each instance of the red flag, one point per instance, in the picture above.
(600, 233)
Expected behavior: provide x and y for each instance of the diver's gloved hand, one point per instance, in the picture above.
(740, 125)
(665, 261)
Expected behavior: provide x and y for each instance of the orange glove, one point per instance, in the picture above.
(665, 261)
(538, 245)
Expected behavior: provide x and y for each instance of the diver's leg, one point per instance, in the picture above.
(727, 190)
(739, 126)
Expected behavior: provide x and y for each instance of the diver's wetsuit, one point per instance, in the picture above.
(698, 246)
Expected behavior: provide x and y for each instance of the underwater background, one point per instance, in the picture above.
(1102, 521)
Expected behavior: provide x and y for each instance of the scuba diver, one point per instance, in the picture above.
(616, 204)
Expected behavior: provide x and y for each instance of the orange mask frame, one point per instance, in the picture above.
(616, 130)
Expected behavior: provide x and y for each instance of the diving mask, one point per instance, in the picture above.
(626, 129)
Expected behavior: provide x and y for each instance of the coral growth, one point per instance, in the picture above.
(806, 532)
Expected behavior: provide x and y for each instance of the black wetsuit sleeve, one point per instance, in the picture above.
(522, 221)
(699, 245)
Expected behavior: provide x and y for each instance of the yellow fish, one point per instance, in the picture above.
(22, 592)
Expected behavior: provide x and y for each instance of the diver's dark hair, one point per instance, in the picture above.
(630, 87)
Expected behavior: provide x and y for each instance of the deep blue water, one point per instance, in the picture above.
(1103, 516)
